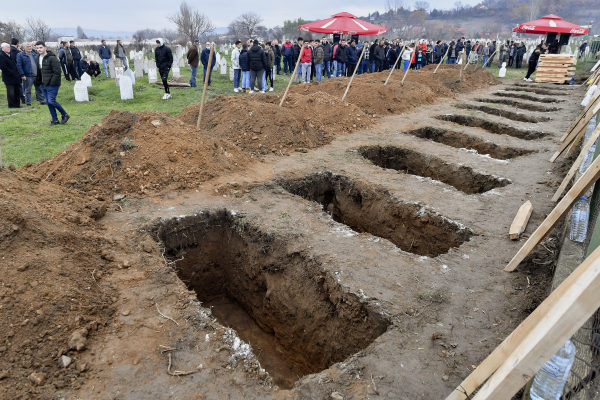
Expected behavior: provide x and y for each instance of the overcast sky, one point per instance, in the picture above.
(118, 15)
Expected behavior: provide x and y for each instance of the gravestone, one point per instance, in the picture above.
(138, 64)
(223, 66)
(126, 88)
(111, 68)
(86, 80)
(231, 74)
(81, 93)
(176, 70)
(274, 72)
(146, 65)
(131, 54)
(226, 51)
(181, 63)
(218, 61)
(118, 70)
(131, 75)
(152, 71)
(178, 52)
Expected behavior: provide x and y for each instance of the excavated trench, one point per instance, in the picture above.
(412, 162)
(464, 141)
(503, 113)
(368, 208)
(493, 127)
(291, 311)
(519, 104)
(543, 92)
(528, 97)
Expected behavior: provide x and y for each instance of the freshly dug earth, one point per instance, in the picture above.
(257, 124)
(448, 74)
(51, 284)
(138, 153)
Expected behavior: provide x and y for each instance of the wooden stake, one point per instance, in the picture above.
(469, 58)
(587, 180)
(489, 59)
(442, 60)
(575, 305)
(521, 219)
(409, 62)
(394, 67)
(292, 77)
(577, 163)
(206, 78)
(591, 104)
(501, 353)
(576, 131)
(354, 73)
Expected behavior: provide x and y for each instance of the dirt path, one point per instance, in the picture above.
(370, 267)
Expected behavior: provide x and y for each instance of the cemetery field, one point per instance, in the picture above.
(27, 138)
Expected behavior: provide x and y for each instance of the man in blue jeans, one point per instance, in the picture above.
(341, 56)
(204, 59)
(363, 68)
(105, 54)
(287, 51)
(48, 77)
(193, 58)
(327, 56)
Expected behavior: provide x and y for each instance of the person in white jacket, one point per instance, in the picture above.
(407, 56)
(235, 63)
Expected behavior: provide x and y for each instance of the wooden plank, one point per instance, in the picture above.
(500, 353)
(567, 314)
(576, 164)
(580, 125)
(575, 142)
(595, 98)
(587, 180)
(521, 219)
(554, 69)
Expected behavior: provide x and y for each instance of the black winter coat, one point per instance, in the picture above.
(164, 57)
(257, 58)
(296, 54)
(93, 67)
(75, 53)
(10, 72)
(49, 74)
(244, 60)
(341, 54)
(326, 52)
(378, 54)
(392, 56)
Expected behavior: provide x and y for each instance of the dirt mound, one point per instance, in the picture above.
(139, 152)
(447, 75)
(256, 126)
(52, 284)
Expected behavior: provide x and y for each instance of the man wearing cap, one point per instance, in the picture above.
(193, 58)
(204, 59)
(164, 61)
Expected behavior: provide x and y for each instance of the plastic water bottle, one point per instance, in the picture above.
(590, 129)
(579, 220)
(550, 380)
(587, 160)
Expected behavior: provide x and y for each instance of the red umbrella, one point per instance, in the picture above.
(344, 24)
(551, 23)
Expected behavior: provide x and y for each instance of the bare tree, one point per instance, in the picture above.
(421, 6)
(81, 33)
(38, 29)
(234, 30)
(191, 22)
(534, 8)
(248, 22)
(10, 29)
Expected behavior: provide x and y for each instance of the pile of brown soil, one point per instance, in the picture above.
(447, 75)
(256, 126)
(47, 292)
(139, 152)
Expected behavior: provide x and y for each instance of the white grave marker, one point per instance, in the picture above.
(81, 93)
(86, 80)
(152, 71)
(126, 88)
(131, 75)
(176, 70)
(223, 66)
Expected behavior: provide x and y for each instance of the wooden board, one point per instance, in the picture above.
(556, 64)
(553, 69)
(566, 74)
(576, 164)
(552, 80)
(521, 219)
(587, 180)
(572, 308)
(595, 98)
(501, 353)
(575, 132)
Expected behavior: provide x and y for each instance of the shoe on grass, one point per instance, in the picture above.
(251, 91)
(270, 89)
(52, 123)
(64, 119)
(236, 90)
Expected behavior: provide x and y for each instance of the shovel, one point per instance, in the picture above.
(460, 74)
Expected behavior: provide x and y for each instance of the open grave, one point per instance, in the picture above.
(528, 97)
(461, 140)
(493, 127)
(518, 104)
(294, 315)
(504, 113)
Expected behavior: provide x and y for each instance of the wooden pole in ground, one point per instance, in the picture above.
(577, 163)
(489, 59)
(591, 103)
(587, 180)
(394, 67)
(354, 73)
(575, 306)
(576, 131)
(469, 58)
(292, 77)
(206, 78)
(442, 60)
(408, 68)
(502, 352)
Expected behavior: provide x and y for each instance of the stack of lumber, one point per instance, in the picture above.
(556, 68)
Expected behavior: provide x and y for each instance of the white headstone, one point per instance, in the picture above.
(111, 68)
(126, 88)
(223, 66)
(152, 71)
(86, 80)
(131, 75)
(225, 51)
(138, 64)
(118, 74)
(181, 63)
(176, 70)
(132, 54)
(231, 74)
(178, 51)
(218, 56)
(81, 93)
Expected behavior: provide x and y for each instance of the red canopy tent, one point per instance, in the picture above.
(344, 24)
(551, 24)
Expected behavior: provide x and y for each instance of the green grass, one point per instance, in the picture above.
(518, 73)
(27, 138)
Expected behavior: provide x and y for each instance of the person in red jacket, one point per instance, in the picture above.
(422, 46)
(306, 62)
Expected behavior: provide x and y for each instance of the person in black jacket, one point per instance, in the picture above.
(341, 57)
(76, 57)
(297, 47)
(68, 62)
(379, 56)
(326, 56)
(277, 52)
(15, 48)
(582, 48)
(92, 69)
(164, 60)
(204, 56)
(257, 62)
(10, 77)
(533, 60)
(392, 57)
(48, 77)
